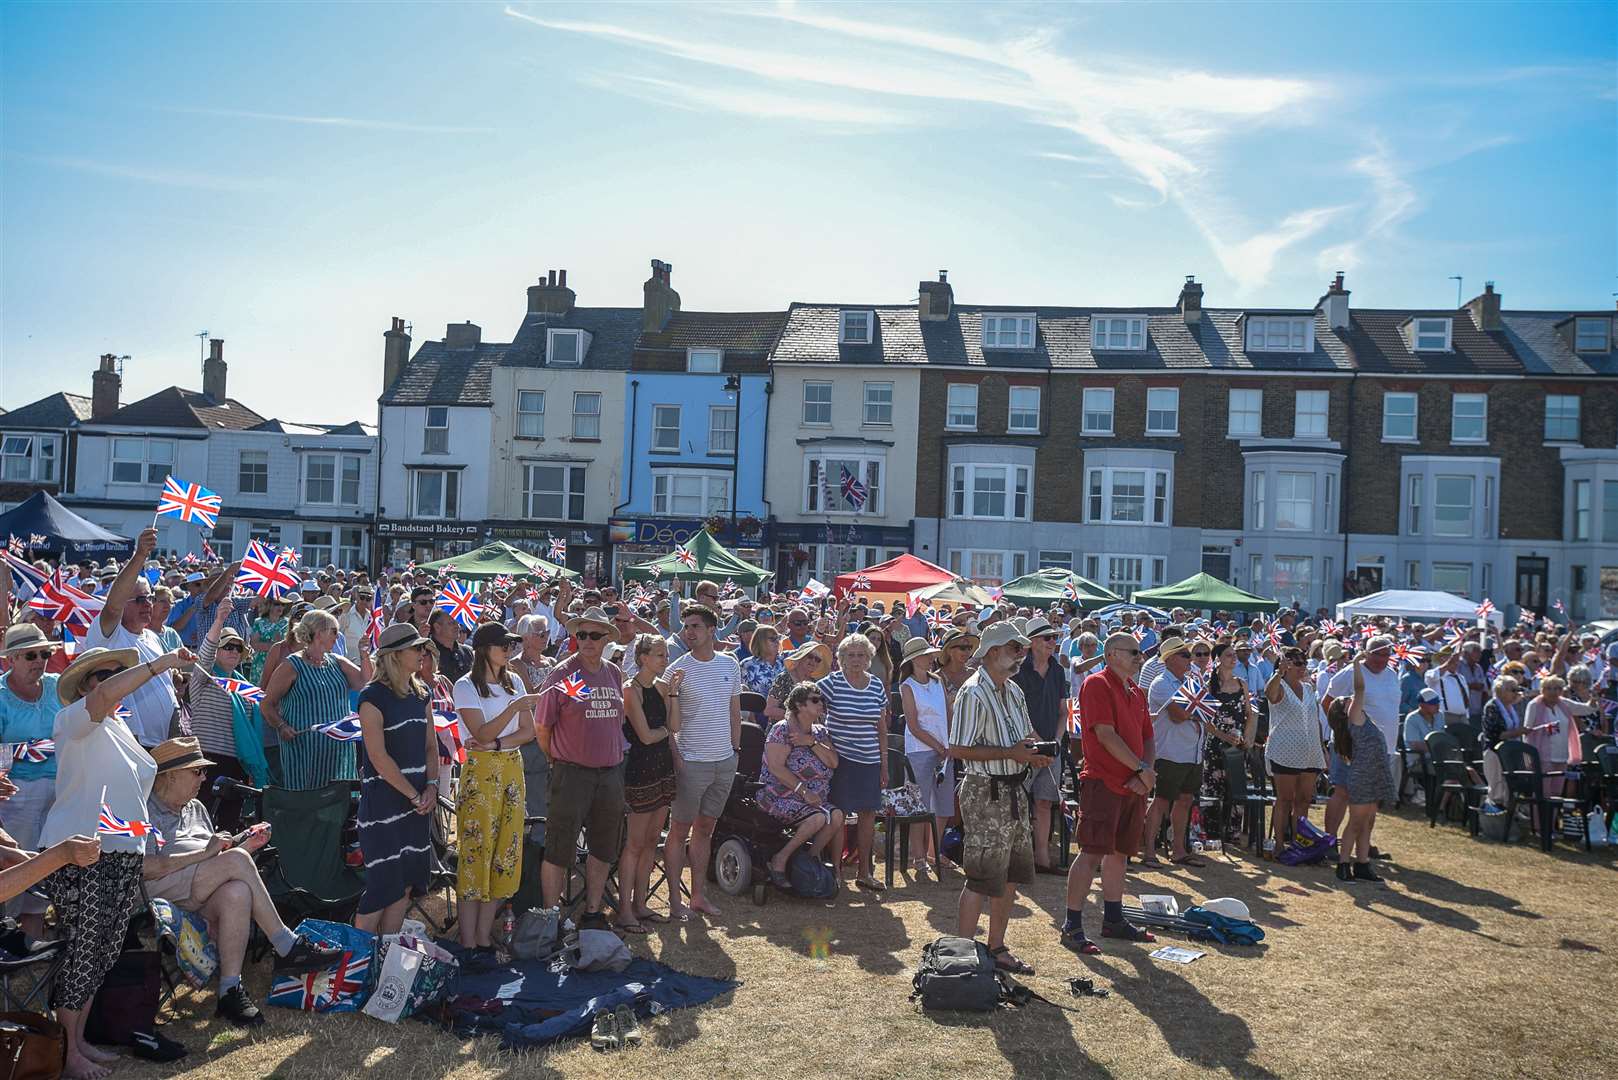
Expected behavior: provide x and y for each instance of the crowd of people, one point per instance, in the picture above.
(617, 716)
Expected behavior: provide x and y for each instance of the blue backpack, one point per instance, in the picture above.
(1226, 931)
(810, 877)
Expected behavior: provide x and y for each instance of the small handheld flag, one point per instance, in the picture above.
(861, 583)
(1193, 697)
(345, 730)
(459, 601)
(244, 690)
(110, 824)
(1071, 707)
(685, 557)
(1486, 608)
(191, 503)
(34, 750)
(264, 573)
(558, 550)
(574, 687)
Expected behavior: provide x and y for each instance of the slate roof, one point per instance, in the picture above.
(1543, 341)
(733, 331)
(1380, 343)
(59, 410)
(437, 375)
(1062, 340)
(176, 407)
(613, 332)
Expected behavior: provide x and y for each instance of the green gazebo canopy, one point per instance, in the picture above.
(713, 561)
(1204, 592)
(492, 560)
(1048, 586)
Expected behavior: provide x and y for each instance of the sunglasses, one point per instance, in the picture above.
(229, 648)
(1201, 654)
(592, 635)
(44, 655)
(1129, 652)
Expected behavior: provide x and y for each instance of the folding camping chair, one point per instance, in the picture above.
(307, 876)
(1239, 793)
(23, 958)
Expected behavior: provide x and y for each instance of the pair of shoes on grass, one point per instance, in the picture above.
(615, 1029)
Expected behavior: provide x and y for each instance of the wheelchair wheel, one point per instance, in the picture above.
(733, 866)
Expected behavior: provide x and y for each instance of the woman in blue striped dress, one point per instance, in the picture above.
(398, 759)
(856, 718)
(309, 689)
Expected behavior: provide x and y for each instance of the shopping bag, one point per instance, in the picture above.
(340, 986)
(401, 963)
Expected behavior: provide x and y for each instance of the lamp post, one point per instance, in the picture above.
(733, 385)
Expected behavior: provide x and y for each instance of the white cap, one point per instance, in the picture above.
(1229, 907)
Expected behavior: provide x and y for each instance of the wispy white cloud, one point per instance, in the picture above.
(333, 121)
(749, 102)
(180, 178)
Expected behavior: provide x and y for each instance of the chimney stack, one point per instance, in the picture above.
(395, 351)
(1191, 301)
(105, 383)
(551, 296)
(462, 335)
(1485, 309)
(1335, 303)
(213, 370)
(661, 300)
(936, 299)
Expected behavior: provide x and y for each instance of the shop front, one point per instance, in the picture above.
(805, 550)
(400, 543)
(587, 548)
(639, 540)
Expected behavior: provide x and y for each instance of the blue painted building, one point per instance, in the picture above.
(696, 405)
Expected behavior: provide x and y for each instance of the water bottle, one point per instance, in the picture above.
(507, 928)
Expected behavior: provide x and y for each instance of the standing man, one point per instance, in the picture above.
(707, 742)
(990, 734)
(1117, 774)
(1177, 738)
(581, 731)
(1381, 709)
(1045, 691)
(454, 655)
(124, 623)
(1476, 677)
(1453, 706)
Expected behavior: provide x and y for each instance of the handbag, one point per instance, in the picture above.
(32, 1047)
(904, 801)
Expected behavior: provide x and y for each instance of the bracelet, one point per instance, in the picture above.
(675, 694)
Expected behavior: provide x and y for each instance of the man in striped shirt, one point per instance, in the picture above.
(990, 733)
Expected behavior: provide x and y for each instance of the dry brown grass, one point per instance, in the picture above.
(1474, 960)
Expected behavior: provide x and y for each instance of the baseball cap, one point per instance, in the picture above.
(1429, 696)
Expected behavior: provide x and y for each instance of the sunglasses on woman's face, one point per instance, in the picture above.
(591, 635)
(1201, 654)
(229, 648)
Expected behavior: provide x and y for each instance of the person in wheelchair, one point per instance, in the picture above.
(796, 789)
(213, 874)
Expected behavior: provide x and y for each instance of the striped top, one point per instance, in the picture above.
(318, 695)
(854, 717)
(212, 721)
(986, 715)
(706, 695)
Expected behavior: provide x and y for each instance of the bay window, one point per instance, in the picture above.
(1292, 580)
(1120, 496)
(1295, 501)
(1452, 506)
(990, 491)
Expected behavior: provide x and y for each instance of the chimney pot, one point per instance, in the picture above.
(214, 369)
(395, 352)
(562, 279)
(1485, 308)
(1191, 301)
(105, 383)
(660, 300)
(943, 275)
(935, 299)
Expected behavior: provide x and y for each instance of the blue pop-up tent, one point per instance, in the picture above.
(65, 533)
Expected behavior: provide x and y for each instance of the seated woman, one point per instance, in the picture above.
(798, 766)
(214, 875)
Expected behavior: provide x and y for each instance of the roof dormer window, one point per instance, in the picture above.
(1118, 332)
(1592, 335)
(1008, 331)
(704, 360)
(566, 347)
(856, 328)
(1430, 335)
(1280, 333)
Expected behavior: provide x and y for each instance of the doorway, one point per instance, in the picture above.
(1533, 576)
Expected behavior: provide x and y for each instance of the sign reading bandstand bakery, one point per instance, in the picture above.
(447, 530)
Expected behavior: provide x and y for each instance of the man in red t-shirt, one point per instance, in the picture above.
(1117, 774)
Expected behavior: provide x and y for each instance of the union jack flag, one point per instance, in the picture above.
(345, 730)
(685, 557)
(38, 540)
(1193, 697)
(558, 550)
(939, 621)
(854, 492)
(110, 824)
(1329, 628)
(574, 687)
(450, 747)
(1070, 706)
(208, 552)
(265, 574)
(328, 990)
(1559, 606)
(25, 576)
(861, 583)
(66, 604)
(35, 750)
(244, 690)
(504, 582)
(1405, 653)
(459, 601)
(446, 570)
(1070, 591)
(293, 555)
(912, 605)
(188, 559)
(373, 628)
(191, 503)
(1486, 608)
(16, 545)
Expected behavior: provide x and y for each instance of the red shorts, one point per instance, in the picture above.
(1109, 823)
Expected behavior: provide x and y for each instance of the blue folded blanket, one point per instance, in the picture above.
(540, 1006)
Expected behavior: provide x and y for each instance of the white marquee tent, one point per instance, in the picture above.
(1425, 605)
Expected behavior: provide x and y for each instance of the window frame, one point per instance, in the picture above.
(830, 393)
(714, 447)
(579, 397)
(667, 479)
(1102, 333)
(146, 462)
(1581, 517)
(1417, 333)
(1308, 563)
(1292, 501)
(1576, 418)
(350, 556)
(241, 472)
(435, 437)
(1017, 486)
(950, 423)
(450, 478)
(523, 414)
(1161, 432)
(875, 499)
(329, 460)
(1456, 400)
(1605, 324)
(555, 334)
(568, 493)
(1439, 505)
(1414, 417)
(660, 428)
(867, 314)
(692, 353)
(1156, 496)
(38, 450)
(1085, 411)
(343, 479)
(1050, 558)
(1257, 412)
(1449, 567)
(1012, 411)
(1258, 500)
(866, 404)
(1265, 322)
(1298, 414)
(1024, 326)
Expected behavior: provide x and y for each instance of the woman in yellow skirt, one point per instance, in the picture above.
(498, 713)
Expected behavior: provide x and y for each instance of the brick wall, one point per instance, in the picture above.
(994, 405)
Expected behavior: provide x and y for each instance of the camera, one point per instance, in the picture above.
(1047, 749)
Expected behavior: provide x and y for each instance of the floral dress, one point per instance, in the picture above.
(779, 800)
(1231, 718)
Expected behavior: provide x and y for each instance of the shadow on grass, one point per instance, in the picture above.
(856, 924)
(1036, 1040)
(1436, 887)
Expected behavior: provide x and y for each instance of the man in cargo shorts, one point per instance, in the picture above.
(990, 735)
(1117, 774)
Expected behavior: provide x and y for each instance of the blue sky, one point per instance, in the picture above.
(288, 177)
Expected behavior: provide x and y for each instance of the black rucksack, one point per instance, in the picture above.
(958, 973)
(810, 877)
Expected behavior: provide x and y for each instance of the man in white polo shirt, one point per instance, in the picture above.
(1381, 708)
(707, 742)
(123, 624)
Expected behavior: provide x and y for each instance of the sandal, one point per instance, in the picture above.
(1004, 961)
(630, 928)
(651, 917)
(870, 883)
(1080, 944)
(1188, 860)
